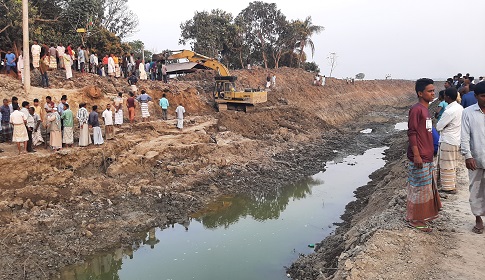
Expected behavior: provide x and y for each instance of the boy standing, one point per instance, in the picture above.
(423, 202)
(108, 122)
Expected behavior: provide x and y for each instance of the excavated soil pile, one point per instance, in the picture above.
(57, 208)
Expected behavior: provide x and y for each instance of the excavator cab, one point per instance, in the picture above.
(224, 87)
(228, 98)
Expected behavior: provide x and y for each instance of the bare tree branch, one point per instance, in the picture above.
(5, 28)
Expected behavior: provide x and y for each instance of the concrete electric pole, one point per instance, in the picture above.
(26, 51)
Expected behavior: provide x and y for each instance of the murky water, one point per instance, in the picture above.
(241, 237)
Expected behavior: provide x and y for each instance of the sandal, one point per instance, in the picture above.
(477, 230)
(423, 228)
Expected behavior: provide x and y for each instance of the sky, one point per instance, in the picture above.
(407, 39)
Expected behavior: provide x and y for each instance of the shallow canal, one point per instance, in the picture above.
(241, 237)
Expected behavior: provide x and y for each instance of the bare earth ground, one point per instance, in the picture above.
(58, 208)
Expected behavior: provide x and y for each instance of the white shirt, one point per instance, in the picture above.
(93, 59)
(20, 63)
(473, 134)
(60, 51)
(449, 124)
(35, 49)
(108, 117)
(17, 117)
(180, 112)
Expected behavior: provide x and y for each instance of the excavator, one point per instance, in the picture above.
(225, 93)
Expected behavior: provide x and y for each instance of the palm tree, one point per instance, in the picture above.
(304, 30)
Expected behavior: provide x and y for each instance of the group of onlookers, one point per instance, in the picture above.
(460, 123)
(26, 123)
(82, 59)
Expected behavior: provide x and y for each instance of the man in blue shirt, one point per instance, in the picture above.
(10, 62)
(469, 98)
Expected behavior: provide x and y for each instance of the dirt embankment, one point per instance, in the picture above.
(57, 208)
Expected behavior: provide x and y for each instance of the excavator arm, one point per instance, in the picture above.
(208, 62)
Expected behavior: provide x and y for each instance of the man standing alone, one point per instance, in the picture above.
(473, 148)
(180, 116)
(164, 104)
(449, 127)
(423, 202)
(108, 122)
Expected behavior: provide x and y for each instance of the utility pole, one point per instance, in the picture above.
(26, 51)
(143, 52)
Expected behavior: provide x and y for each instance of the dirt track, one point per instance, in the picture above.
(57, 208)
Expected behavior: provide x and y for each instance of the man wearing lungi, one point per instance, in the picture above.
(473, 148)
(423, 202)
(449, 127)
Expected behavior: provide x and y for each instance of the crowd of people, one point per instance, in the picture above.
(83, 60)
(460, 123)
(26, 122)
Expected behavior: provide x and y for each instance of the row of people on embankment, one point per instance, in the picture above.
(461, 135)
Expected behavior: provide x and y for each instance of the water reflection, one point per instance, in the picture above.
(229, 209)
(102, 267)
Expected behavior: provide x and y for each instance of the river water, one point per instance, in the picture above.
(244, 236)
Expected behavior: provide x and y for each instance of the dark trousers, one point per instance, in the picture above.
(164, 114)
(29, 143)
(13, 68)
(45, 79)
(165, 78)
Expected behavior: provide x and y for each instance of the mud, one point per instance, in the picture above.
(58, 208)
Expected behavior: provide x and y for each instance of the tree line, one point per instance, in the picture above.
(106, 23)
(259, 35)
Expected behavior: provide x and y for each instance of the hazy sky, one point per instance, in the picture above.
(408, 39)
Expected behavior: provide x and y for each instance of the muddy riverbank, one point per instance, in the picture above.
(58, 208)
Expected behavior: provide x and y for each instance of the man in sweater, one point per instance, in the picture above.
(423, 202)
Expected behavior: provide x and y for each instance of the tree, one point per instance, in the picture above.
(262, 24)
(360, 76)
(304, 30)
(311, 66)
(118, 19)
(208, 33)
(136, 47)
(332, 61)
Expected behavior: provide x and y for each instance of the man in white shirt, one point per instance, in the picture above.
(19, 120)
(180, 116)
(449, 127)
(93, 61)
(108, 122)
(473, 149)
(35, 50)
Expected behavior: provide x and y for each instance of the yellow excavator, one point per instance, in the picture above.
(225, 93)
